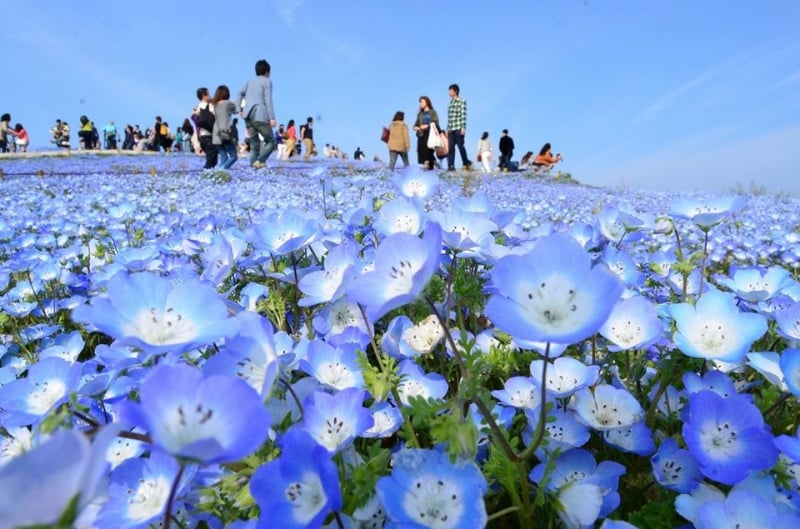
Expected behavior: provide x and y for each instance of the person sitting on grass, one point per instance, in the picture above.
(545, 159)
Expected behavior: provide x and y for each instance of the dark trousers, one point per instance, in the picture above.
(207, 144)
(424, 154)
(88, 139)
(456, 139)
(505, 159)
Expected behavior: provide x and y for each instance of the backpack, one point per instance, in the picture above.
(164, 131)
(205, 118)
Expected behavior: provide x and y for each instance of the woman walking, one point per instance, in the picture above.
(426, 115)
(222, 137)
(399, 143)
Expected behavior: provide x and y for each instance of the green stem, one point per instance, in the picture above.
(500, 514)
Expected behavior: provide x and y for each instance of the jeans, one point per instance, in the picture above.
(455, 138)
(505, 159)
(393, 158)
(227, 154)
(254, 128)
(207, 144)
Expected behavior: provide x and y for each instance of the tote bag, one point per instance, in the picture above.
(434, 139)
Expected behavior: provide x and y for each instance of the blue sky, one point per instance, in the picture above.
(636, 94)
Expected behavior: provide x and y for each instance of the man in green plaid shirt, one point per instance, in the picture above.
(456, 129)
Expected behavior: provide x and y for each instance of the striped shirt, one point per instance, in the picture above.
(457, 114)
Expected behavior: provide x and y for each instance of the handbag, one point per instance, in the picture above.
(479, 157)
(444, 149)
(385, 135)
(225, 135)
(434, 138)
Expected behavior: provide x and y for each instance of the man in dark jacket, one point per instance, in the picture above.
(506, 150)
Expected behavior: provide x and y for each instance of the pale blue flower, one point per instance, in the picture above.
(605, 407)
(414, 382)
(565, 375)
(48, 383)
(675, 468)
(401, 215)
(335, 367)
(715, 329)
(552, 293)
(413, 182)
(709, 212)
(283, 233)
(330, 283)
(334, 421)
(755, 284)
(632, 324)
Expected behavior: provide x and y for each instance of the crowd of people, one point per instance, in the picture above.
(212, 130)
(435, 144)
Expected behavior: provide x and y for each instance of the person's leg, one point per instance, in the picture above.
(392, 159)
(210, 149)
(451, 151)
(254, 142)
(404, 156)
(269, 139)
(230, 148)
(309, 146)
(486, 161)
(222, 156)
(460, 143)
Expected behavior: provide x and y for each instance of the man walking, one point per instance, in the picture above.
(258, 114)
(506, 150)
(456, 128)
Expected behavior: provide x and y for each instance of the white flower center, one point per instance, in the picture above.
(307, 497)
(434, 503)
(148, 499)
(712, 337)
(45, 395)
(553, 302)
(626, 333)
(189, 424)
(720, 440)
(335, 432)
(335, 374)
(162, 327)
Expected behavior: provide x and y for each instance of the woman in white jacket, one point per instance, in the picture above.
(485, 152)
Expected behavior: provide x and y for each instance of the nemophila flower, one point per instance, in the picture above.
(788, 321)
(743, 508)
(330, 283)
(671, 400)
(150, 312)
(423, 336)
(632, 324)
(392, 342)
(401, 215)
(713, 380)
(620, 224)
(299, 488)
(335, 420)
(552, 293)
(583, 489)
(17, 441)
(340, 317)
(706, 213)
(755, 284)
(414, 382)
(674, 468)
(206, 419)
(386, 420)
(283, 233)
(65, 346)
(138, 490)
(426, 489)
(790, 368)
(370, 515)
(464, 230)
(715, 329)
(622, 264)
(40, 484)
(768, 364)
(413, 182)
(604, 407)
(565, 375)
(403, 266)
(251, 355)
(48, 384)
(636, 439)
(727, 436)
(562, 431)
(335, 367)
(616, 524)
(518, 392)
(251, 294)
(217, 259)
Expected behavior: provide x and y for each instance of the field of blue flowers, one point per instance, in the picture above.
(329, 344)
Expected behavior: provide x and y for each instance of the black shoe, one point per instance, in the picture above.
(468, 166)
(451, 168)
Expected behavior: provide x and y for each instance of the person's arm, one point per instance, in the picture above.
(268, 99)
(463, 117)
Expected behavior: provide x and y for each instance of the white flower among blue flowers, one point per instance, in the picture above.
(605, 407)
(715, 329)
(426, 489)
(553, 293)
